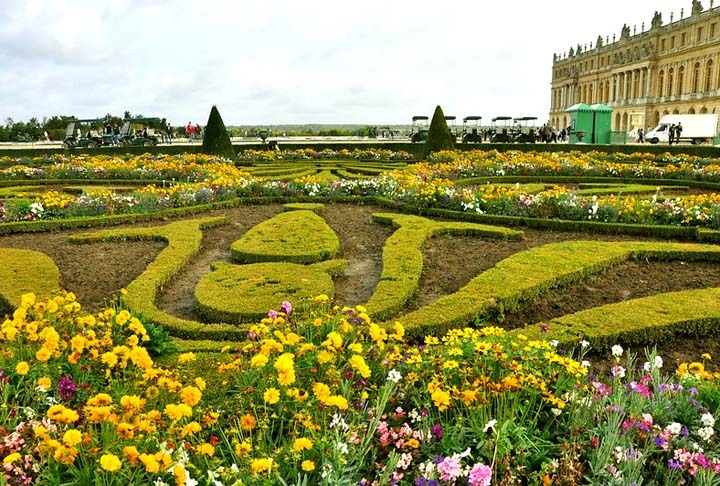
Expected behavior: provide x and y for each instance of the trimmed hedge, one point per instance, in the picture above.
(183, 239)
(297, 237)
(24, 271)
(243, 294)
(403, 259)
(525, 276)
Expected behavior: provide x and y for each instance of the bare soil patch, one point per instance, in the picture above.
(96, 272)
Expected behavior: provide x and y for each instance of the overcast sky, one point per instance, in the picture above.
(270, 62)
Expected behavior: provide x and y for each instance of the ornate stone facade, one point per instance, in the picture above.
(671, 67)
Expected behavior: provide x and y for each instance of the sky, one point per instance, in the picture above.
(274, 62)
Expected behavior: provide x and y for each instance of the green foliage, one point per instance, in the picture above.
(438, 134)
(216, 140)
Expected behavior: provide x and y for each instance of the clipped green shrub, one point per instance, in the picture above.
(25, 271)
(296, 237)
(242, 294)
(438, 134)
(216, 140)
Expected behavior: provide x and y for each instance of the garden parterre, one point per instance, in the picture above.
(325, 396)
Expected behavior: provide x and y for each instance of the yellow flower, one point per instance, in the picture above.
(337, 401)
(186, 358)
(706, 356)
(179, 473)
(258, 466)
(243, 448)
(206, 449)
(176, 412)
(22, 368)
(259, 360)
(59, 413)
(271, 396)
(72, 437)
(307, 466)
(109, 358)
(110, 462)
(190, 395)
(151, 464)
(302, 444)
(131, 453)
(248, 422)
(10, 458)
(191, 429)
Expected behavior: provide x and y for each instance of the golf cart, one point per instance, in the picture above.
(88, 133)
(501, 130)
(450, 121)
(524, 129)
(137, 131)
(471, 129)
(419, 129)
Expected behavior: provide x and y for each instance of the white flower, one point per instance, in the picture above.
(585, 363)
(584, 344)
(674, 428)
(342, 447)
(556, 411)
(618, 371)
(394, 375)
(617, 351)
(707, 419)
(706, 432)
(554, 343)
(656, 364)
(490, 425)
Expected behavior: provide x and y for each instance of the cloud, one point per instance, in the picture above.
(375, 62)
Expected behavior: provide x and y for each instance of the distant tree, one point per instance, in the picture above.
(216, 140)
(56, 122)
(438, 134)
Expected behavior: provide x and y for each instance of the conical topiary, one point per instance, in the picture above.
(216, 140)
(438, 134)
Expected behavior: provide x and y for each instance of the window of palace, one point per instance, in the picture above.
(699, 34)
(696, 77)
(682, 39)
(680, 79)
(662, 45)
(712, 30)
(708, 76)
(672, 42)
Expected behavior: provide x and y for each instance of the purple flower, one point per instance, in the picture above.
(272, 314)
(66, 388)
(286, 307)
(673, 464)
(437, 431)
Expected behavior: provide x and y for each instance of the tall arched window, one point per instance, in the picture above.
(671, 73)
(696, 77)
(661, 83)
(680, 80)
(708, 76)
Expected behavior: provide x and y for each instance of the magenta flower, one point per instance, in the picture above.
(286, 307)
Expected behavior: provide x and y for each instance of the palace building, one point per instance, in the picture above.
(650, 71)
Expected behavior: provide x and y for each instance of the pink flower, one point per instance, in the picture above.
(449, 469)
(480, 475)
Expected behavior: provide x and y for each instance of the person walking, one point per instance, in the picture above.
(671, 134)
(190, 131)
(641, 135)
(168, 133)
(678, 132)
